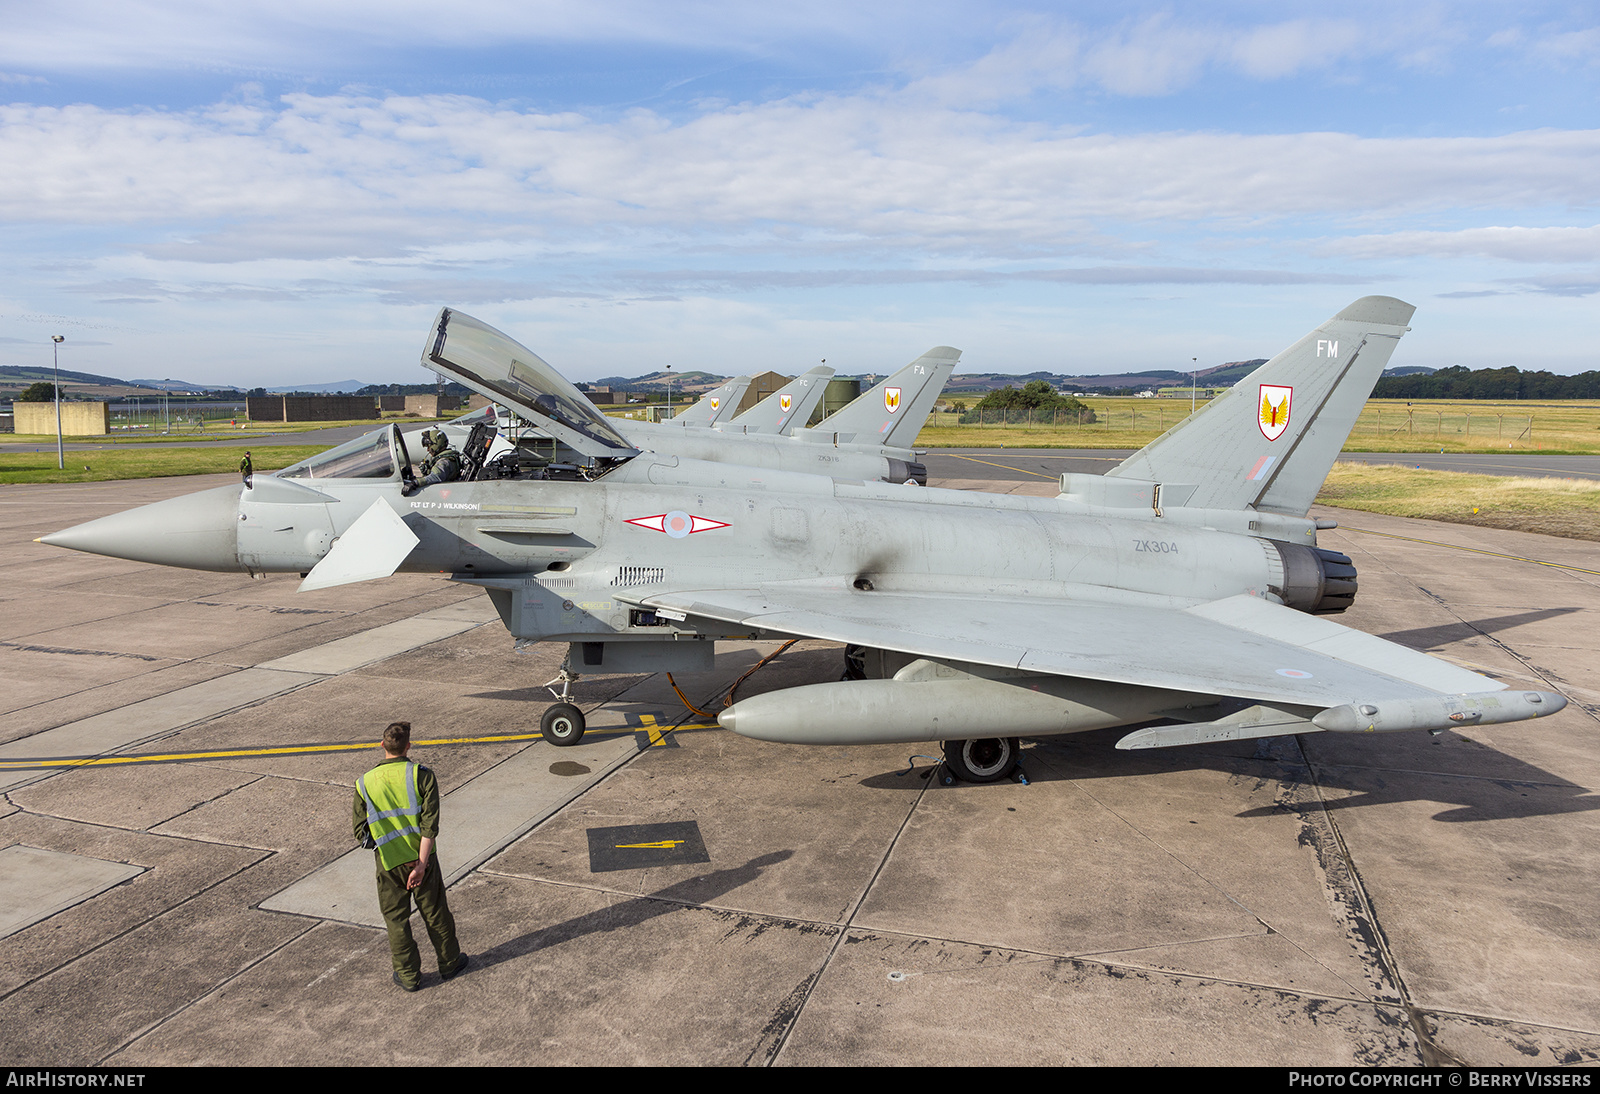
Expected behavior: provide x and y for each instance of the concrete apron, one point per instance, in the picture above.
(495, 809)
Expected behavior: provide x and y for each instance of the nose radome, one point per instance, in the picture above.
(197, 531)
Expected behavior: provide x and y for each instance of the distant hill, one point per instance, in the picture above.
(1231, 373)
(27, 374)
(694, 380)
(181, 385)
(1110, 383)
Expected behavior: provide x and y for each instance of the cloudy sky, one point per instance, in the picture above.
(274, 194)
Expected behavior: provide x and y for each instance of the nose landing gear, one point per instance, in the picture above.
(563, 724)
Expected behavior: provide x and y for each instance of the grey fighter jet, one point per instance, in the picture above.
(869, 439)
(791, 405)
(714, 406)
(1183, 594)
(778, 413)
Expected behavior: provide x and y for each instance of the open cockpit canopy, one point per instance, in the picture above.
(499, 367)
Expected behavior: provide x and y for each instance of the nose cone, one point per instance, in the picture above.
(197, 531)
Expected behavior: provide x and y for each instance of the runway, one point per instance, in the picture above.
(1387, 900)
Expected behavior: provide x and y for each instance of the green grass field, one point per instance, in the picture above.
(1552, 507)
(140, 462)
(211, 430)
(1385, 425)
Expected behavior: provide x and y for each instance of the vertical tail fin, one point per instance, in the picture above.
(785, 408)
(1268, 443)
(894, 412)
(715, 405)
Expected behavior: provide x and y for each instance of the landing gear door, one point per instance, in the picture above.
(504, 370)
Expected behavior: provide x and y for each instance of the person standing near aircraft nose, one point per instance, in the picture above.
(397, 815)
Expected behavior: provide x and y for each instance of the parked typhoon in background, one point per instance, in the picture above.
(777, 414)
(718, 404)
(1180, 593)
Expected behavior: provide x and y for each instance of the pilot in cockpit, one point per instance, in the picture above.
(443, 463)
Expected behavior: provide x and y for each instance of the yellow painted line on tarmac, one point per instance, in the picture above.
(232, 753)
(658, 845)
(46, 762)
(1005, 466)
(1474, 550)
(656, 733)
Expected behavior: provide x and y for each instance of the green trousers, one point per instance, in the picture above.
(395, 901)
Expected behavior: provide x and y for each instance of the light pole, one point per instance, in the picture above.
(669, 392)
(55, 357)
(1194, 382)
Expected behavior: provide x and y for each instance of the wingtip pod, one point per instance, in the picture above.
(1385, 310)
(1440, 712)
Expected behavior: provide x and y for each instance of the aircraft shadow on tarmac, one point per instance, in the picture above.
(1426, 638)
(627, 914)
(1372, 769)
(1376, 769)
(586, 690)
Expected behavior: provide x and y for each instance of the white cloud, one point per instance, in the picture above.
(1511, 243)
(869, 166)
(950, 47)
(1273, 52)
(1581, 46)
(1158, 55)
(346, 175)
(1548, 45)
(1153, 56)
(303, 35)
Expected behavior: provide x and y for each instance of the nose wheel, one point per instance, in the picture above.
(983, 759)
(562, 725)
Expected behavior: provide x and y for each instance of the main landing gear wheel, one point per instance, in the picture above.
(983, 759)
(562, 725)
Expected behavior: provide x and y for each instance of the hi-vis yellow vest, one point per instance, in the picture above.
(393, 812)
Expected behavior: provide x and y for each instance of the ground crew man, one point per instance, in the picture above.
(397, 814)
(245, 469)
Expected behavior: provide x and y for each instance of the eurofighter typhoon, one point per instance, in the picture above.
(1182, 593)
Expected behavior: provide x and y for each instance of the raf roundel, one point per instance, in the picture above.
(677, 523)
